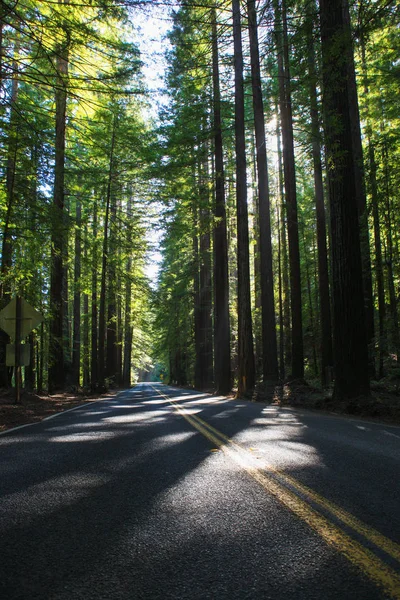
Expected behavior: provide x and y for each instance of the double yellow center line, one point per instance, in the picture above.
(310, 507)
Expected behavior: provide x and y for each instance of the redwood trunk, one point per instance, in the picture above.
(350, 338)
(290, 194)
(76, 348)
(94, 370)
(323, 269)
(246, 365)
(104, 268)
(269, 345)
(222, 351)
(58, 241)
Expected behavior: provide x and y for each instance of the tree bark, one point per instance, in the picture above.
(323, 269)
(285, 103)
(246, 365)
(222, 350)
(104, 268)
(350, 337)
(85, 322)
(128, 328)
(373, 189)
(269, 344)
(111, 294)
(76, 348)
(205, 277)
(286, 346)
(94, 357)
(359, 177)
(58, 235)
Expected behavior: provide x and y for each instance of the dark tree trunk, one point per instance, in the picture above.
(255, 241)
(119, 335)
(58, 235)
(85, 340)
(286, 346)
(269, 345)
(222, 351)
(280, 298)
(285, 103)
(40, 360)
(373, 188)
(323, 269)
(389, 255)
(112, 309)
(94, 357)
(205, 278)
(76, 347)
(128, 328)
(360, 188)
(197, 307)
(311, 328)
(246, 366)
(350, 338)
(104, 269)
(85, 335)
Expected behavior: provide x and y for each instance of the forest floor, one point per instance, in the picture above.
(382, 405)
(34, 407)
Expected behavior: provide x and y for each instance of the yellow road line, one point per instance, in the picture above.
(370, 564)
(382, 542)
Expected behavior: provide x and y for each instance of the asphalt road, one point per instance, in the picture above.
(161, 493)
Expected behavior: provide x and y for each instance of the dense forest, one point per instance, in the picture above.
(271, 173)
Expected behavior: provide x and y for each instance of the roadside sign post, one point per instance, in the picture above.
(18, 319)
(18, 316)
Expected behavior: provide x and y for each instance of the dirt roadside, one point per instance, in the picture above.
(34, 408)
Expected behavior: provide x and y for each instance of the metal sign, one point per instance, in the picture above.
(24, 358)
(30, 318)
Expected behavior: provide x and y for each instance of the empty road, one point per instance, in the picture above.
(162, 493)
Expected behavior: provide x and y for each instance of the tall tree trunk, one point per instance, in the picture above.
(389, 254)
(94, 356)
(197, 304)
(255, 242)
(373, 188)
(360, 190)
(111, 331)
(205, 276)
(222, 350)
(246, 365)
(285, 103)
(119, 335)
(85, 340)
(76, 348)
(280, 297)
(58, 235)
(128, 328)
(350, 338)
(323, 270)
(285, 290)
(313, 333)
(85, 323)
(269, 345)
(104, 267)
